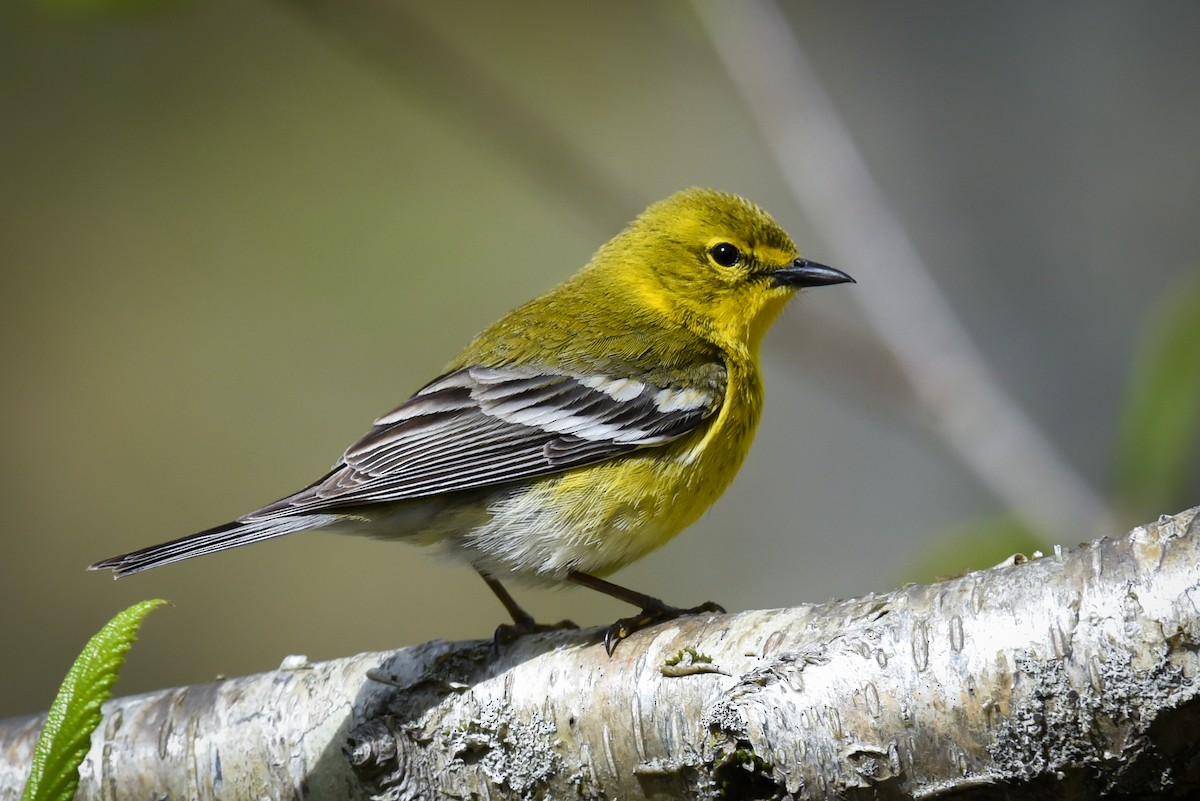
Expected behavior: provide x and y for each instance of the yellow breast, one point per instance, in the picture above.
(611, 514)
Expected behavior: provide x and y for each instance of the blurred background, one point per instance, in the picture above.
(234, 233)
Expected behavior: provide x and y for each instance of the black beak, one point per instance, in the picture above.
(802, 273)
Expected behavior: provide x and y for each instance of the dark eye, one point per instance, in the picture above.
(725, 254)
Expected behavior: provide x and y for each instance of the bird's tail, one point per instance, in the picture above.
(220, 538)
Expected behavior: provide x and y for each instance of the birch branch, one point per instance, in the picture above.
(1067, 675)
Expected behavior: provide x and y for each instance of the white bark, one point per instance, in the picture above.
(1061, 676)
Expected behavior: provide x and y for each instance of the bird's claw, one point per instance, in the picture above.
(626, 626)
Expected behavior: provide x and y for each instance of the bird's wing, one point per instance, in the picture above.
(482, 426)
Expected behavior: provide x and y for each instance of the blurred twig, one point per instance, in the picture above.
(445, 78)
(831, 182)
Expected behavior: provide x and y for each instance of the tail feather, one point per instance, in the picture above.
(219, 538)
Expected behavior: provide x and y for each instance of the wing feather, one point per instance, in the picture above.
(483, 426)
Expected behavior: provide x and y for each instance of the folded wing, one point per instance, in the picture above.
(483, 426)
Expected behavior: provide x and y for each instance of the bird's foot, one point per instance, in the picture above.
(651, 616)
(507, 633)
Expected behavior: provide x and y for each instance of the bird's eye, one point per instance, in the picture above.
(725, 254)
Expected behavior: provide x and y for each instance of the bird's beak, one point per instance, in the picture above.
(802, 273)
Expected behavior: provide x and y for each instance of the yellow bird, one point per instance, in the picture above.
(579, 432)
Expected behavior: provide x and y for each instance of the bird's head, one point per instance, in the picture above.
(713, 262)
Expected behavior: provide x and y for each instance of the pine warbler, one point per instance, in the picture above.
(579, 432)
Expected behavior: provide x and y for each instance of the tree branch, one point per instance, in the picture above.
(1064, 675)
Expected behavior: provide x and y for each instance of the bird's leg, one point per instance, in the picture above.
(653, 609)
(523, 622)
(521, 618)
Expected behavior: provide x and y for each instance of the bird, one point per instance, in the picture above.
(579, 432)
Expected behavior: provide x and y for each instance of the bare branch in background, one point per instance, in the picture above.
(829, 178)
(421, 61)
